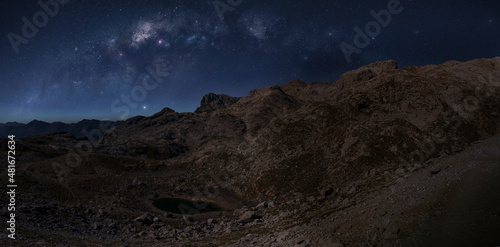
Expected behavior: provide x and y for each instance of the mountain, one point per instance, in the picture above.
(371, 117)
(384, 156)
(213, 101)
(10, 124)
(37, 127)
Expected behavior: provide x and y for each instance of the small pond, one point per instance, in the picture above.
(184, 206)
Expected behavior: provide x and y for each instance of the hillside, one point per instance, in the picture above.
(381, 157)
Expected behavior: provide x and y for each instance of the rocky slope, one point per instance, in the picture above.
(371, 118)
(381, 157)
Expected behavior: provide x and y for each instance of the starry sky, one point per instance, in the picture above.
(86, 59)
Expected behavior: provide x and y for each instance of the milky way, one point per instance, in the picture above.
(88, 55)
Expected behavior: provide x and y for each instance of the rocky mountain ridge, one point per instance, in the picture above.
(381, 157)
(373, 116)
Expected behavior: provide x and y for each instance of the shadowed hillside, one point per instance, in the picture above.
(385, 156)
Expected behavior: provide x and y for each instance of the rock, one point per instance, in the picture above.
(188, 218)
(247, 217)
(261, 205)
(302, 243)
(96, 226)
(435, 170)
(282, 235)
(211, 102)
(101, 212)
(145, 219)
(141, 234)
(352, 190)
(327, 191)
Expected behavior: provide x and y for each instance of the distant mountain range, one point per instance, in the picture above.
(37, 127)
(11, 124)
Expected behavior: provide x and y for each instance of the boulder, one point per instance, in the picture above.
(247, 217)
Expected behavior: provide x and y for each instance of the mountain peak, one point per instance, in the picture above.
(296, 82)
(369, 71)
(163, 111)
(35, 121)
(213, 101)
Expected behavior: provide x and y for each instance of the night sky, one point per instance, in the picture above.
(117, 59)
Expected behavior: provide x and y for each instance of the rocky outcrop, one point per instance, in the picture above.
(375, 118)
(211, 102)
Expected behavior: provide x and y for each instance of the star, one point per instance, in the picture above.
(119, 49)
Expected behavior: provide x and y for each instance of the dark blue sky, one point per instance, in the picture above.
(99, 59)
